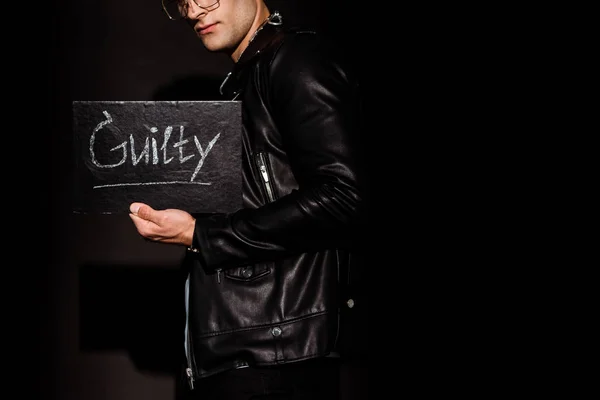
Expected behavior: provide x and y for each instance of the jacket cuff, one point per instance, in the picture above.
(201, 244)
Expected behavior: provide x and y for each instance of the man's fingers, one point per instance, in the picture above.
(140, 216)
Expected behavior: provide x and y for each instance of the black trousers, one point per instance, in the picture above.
(304, 380)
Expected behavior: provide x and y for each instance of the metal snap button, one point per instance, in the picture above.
(247, 272)
(350, 303)
(276, 331)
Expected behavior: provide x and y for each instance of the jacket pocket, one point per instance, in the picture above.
(266, 177)
(248, 273)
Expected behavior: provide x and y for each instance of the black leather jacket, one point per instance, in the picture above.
(269, 280)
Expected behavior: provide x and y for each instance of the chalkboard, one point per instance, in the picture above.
(168, 154)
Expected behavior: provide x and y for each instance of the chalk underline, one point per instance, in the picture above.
(152, 183)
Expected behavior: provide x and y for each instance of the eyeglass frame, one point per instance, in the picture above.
(211, 7)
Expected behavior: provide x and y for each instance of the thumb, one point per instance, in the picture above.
(141, 210)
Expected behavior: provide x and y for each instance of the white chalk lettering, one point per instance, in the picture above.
(150, 145)
(180, 144)
(203, 154)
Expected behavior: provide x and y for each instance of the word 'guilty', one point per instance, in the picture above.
(145, 153)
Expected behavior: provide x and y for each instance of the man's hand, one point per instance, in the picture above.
(165, 226)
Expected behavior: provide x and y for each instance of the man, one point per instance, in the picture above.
(269, 287)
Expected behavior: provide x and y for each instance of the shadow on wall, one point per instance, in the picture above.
(133, 308)
(189, 88)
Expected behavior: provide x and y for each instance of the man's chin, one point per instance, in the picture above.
(210, 44)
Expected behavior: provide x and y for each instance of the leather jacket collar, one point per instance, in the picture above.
(264, 38)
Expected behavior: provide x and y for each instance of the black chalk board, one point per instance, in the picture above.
(169, 154)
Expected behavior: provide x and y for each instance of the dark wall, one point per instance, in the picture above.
(108, 300)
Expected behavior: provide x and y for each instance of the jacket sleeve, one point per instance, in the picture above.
(316, 106)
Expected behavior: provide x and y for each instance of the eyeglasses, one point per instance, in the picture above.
(178, 9)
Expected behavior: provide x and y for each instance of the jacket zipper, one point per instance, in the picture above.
(191, 362)
(190, 376)
(261, 162)
(188, 371)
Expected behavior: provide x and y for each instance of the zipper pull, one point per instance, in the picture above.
(219, 275)
(223, 83)
(190, 376)
(263, 171)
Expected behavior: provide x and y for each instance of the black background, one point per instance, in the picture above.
(78, 320)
